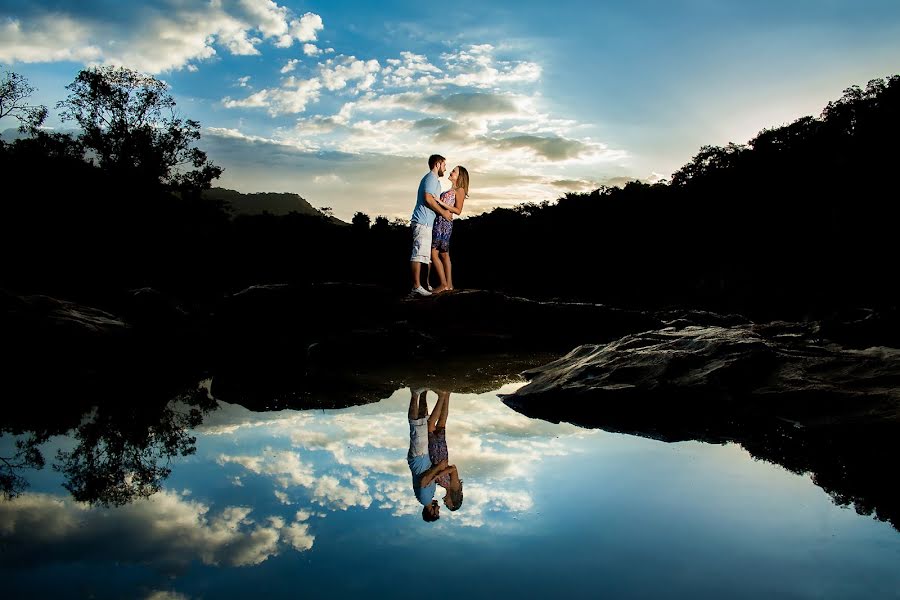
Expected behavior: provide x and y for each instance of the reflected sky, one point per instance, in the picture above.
(321, 502)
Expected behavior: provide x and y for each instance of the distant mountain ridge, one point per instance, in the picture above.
(275, 203)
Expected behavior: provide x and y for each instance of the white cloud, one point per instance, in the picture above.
(166, 530)
(268, 17)
(329, 493)
(289, 66)
(46, 39)
(327, 179)
(155, 39)
(306, 28)
(336, 75)
(284, 466)
(292, 97)
(244, 81)
(311, 50)
(410, 70)
(298, 536)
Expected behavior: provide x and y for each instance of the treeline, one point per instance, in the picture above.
(800, 218)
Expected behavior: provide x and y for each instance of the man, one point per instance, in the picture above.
(423, 218)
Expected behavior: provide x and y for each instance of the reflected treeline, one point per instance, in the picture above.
(793, 219)
(852, 464)
(847, 460)
(122, 449)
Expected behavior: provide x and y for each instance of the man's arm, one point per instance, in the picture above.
(451, 471)
(437, 207)
(429, 475)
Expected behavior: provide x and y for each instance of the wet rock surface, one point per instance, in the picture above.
(777, 369)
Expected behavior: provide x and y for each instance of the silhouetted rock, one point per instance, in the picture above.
(152, 309)
(356, 324)
(863, 328)
(57, 333)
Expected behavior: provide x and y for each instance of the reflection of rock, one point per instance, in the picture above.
(787, 398)
(274, 388)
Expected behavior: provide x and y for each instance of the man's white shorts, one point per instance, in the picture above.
(421, 247)
(418, 437)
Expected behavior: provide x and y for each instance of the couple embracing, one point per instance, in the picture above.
(432, 224)
(428, 458)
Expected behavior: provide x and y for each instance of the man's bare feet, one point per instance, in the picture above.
(439, 289)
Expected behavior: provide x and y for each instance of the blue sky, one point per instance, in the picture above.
(341, 102)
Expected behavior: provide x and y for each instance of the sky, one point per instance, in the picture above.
(343, 101)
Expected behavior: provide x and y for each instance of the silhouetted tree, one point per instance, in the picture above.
(360, 221)
(128, 120)
(15, 91)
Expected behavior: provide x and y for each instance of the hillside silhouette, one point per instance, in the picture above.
(274, 203)
(799, 219)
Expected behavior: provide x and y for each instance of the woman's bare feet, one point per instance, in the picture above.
(439, 289)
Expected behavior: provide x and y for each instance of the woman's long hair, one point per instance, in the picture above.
(462, 179)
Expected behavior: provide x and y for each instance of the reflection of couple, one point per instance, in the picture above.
(430, 231)
(428, 458)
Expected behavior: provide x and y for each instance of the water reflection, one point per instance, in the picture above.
(294, 497)
(361, 458)
(121, 451)
(428, 457)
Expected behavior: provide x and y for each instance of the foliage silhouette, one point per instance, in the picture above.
(123, 450)
(128, 121)
(14, 93)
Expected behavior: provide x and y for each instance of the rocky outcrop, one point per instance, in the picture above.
(694, 372)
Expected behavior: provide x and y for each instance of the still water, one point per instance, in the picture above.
(320, 503)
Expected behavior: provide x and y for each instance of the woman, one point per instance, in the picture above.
(447, 476)
(453, 199)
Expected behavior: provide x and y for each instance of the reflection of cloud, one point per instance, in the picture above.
(481, 499)
(166, 529)
(286, 469)
(166, 595)
(298, 536)
(361, 454)
(329, 492)
(285, 466)
(395, 495)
